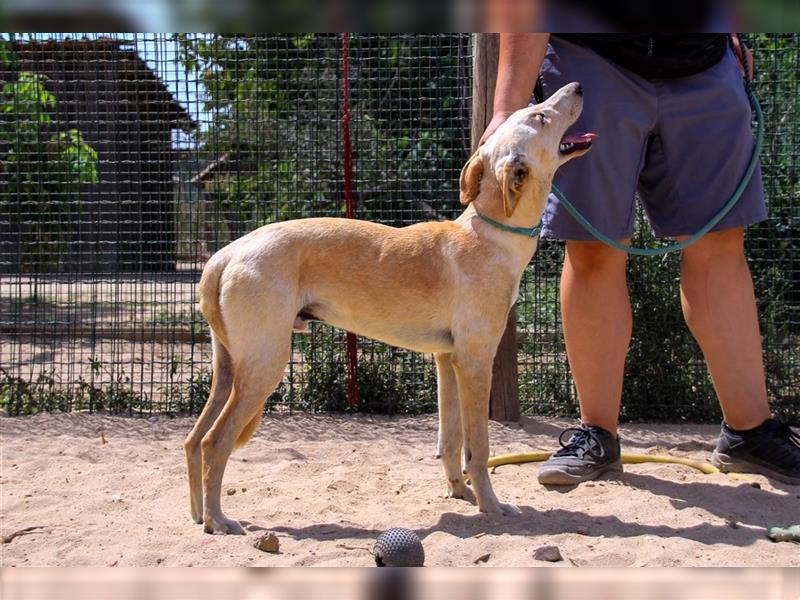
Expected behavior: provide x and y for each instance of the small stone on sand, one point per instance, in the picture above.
(548, 553)
(267, 542)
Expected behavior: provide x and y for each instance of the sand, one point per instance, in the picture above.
(111, 491)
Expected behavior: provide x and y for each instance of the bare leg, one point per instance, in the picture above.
(597, 320)
(221, 384)
(450, 435)
(720, 309)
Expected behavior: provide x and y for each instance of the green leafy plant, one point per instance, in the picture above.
(41, 171)
(390, 380)
(47, 393)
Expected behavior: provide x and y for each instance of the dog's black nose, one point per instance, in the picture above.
(579, 90)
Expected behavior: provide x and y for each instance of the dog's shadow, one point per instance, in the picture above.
(722, 502)
(253, 527)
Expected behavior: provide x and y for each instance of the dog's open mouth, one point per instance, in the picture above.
(575, 141)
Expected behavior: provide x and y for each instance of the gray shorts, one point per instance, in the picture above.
(683, 144)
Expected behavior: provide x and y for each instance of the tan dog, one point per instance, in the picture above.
(442, 287)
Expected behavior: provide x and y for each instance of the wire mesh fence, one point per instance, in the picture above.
(127, 160)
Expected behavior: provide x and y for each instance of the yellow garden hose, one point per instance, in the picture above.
(526, 457)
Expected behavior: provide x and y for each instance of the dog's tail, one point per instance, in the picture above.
(208, 289)
(247, 432)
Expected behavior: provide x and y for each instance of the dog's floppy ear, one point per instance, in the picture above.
(515, 173)
(470, 182)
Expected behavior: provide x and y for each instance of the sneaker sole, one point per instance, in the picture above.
(557, 476)
(728, 464)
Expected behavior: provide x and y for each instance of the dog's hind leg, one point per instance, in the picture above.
(256, 375)
(450, 436)
(221, 384)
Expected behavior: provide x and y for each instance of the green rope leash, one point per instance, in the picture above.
(759, 138)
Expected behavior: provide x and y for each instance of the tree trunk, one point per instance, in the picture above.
(504, 402)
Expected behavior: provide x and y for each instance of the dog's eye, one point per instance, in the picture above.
(542, 118)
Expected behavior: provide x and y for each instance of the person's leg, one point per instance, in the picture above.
(622, 109)
(720, 309)
(683, 183)
(597, 321)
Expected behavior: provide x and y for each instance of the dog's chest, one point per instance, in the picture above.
(514, 295)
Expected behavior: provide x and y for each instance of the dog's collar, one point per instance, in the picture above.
(530, 232)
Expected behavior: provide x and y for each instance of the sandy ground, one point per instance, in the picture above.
(327, 485)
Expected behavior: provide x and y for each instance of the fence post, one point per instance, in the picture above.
(504, 400)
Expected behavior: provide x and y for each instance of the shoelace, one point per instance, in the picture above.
(580, 443)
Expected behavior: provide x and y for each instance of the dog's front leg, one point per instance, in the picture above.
(450, 434)
(473, 372)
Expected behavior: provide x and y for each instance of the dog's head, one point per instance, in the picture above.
(522, 155)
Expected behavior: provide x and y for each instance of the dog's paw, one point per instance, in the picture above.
(222, 525)
(510, 510)
(196, 513)
(456, 488)
(499, 509)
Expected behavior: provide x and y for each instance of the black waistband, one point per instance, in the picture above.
(657, 56)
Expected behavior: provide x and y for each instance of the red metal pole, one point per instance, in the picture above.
(352, 349)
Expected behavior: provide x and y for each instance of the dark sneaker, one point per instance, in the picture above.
(771, 449)
(590, 452)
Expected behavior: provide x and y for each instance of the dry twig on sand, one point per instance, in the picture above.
(7, 538)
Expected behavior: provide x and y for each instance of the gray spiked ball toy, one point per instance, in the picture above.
(398, 547)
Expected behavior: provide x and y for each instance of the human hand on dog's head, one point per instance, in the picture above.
(498, 118)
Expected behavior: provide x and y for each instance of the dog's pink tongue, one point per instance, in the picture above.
(578, 138)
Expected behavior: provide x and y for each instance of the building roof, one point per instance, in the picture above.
(135, 80)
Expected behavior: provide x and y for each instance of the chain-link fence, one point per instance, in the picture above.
(128, 159)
